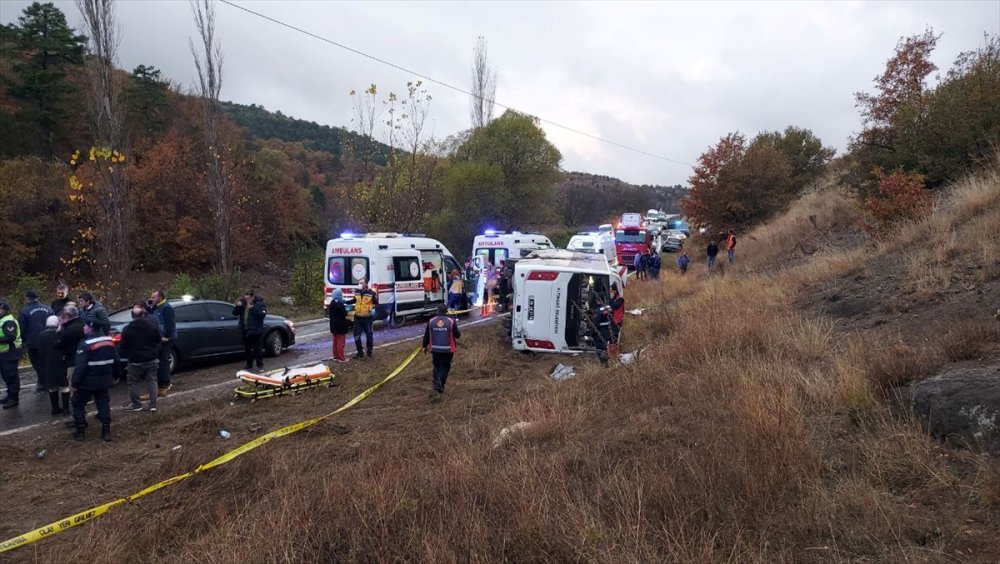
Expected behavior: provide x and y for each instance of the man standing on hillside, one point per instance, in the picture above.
(731, 247)
(365, 301)
(439, 338)
(163, 314)
(251, 311)
(10, 354)
(711, 252)
(32, 321)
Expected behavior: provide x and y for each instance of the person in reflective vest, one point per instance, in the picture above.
(439, 339)
(10, 354)
(92, 379)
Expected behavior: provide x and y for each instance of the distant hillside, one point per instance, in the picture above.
(591, 199)
(266, 124)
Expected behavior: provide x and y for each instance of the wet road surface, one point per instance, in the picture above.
(202, 380)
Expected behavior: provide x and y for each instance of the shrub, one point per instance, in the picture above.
(306, 286)
(901, 197)
(217, 286)
(967, 340)
(25, 283)
(182, 284)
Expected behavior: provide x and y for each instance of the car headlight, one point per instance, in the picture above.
(291, 325)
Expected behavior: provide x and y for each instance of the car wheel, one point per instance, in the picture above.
(175, 360)
(396, 321)
(273, 344)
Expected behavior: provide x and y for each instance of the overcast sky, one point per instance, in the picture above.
(669, 78)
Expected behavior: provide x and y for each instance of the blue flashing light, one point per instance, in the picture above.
(490, 232)
(347, 235)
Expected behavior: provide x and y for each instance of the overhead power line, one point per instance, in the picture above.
(450, 86)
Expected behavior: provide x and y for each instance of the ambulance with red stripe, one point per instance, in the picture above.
(555, 292)
(494, 246)
(409, 272)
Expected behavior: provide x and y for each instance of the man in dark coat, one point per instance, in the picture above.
(163, 314)
(53, 367)
(92, 379)
(140, 344)
(32, 321)
(63, 297)
(251, 311)
(69, 335)
(94, 312)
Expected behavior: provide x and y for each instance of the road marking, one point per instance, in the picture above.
(224, 382)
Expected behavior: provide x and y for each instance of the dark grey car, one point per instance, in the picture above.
(207, 329)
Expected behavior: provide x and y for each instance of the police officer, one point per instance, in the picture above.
(439, 339)
(92, 379)
(10, 354)
(32, 322)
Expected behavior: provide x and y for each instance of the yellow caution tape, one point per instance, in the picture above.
(461, 311)
(93, 513)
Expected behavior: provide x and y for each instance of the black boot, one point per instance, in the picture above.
(10, 402)
(79, 433)
(54, 402)
(106, 432)
(67, 409)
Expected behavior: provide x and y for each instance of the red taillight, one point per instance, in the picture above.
(536, 344)
(116, 338)
(543, 275)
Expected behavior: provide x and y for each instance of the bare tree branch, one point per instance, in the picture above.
(484, 86)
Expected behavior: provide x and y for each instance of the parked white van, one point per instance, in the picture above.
(409, 272)
(554, 292)
(602, 243)
(494, 246)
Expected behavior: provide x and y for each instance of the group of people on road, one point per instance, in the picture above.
(70, 348)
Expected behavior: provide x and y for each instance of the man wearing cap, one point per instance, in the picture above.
(439, 338)
(32, 321)
(92, 379)
(10, 353)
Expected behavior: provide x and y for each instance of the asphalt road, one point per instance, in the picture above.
(196, 382)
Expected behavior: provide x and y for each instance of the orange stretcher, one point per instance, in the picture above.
(288, 380)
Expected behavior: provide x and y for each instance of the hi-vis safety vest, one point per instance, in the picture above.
(10, 326)
(364, 304)
(456, 286)
(442, 334)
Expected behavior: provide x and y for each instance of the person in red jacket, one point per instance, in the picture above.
(731, 247)
(617, 304)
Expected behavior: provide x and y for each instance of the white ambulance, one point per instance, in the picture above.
(408, 272)
(597, 242)
(492, 247)
(554, 293)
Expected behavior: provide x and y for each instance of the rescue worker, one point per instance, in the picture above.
(471, 281)
(683, 261)
(94, 312)
(731, 246)
(166, 322)
(617, 304)
(455, 290)
(140, 344)
(601, 317)
(92, 379)
(10, 354)
(339, 324)
(365, 301)
(250, 312)
(489, 288)
(53, 366)
(503, 287)
(654, 265)
(63, 297)
(32, 321)
(439, 339)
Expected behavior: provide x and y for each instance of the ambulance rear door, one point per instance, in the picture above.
(408, 286)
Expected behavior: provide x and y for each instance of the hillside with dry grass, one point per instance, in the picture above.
(763, 421)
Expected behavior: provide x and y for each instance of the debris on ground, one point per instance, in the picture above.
(225, 434)
(562, 372)
(628, 358)
(506, 432)
(41, 454)
(637, 311)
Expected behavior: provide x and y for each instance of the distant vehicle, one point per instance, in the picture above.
(554, 292)
(676, 233)
(671, 242)
(408, 272)
(494, 246)
(595, 242)
(680, 225)
(208, 329)
(631, 238)
(606, 228)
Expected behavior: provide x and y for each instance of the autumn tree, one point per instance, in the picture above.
(484, 86)
(111, 197)
(805, 152)
(46, 47)
(219, 177)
